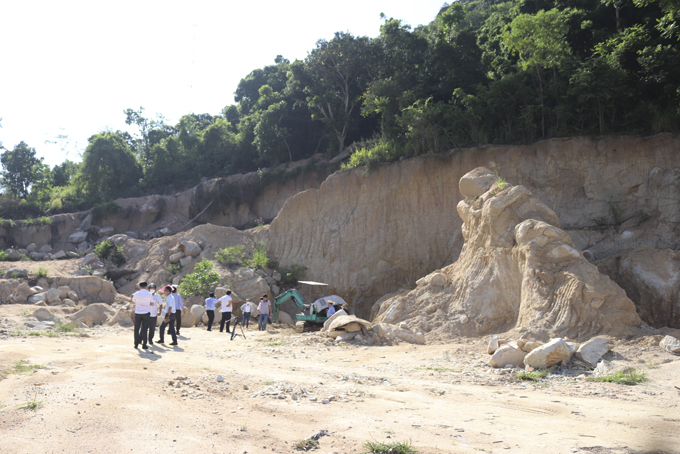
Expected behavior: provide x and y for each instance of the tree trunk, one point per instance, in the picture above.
(540, 87)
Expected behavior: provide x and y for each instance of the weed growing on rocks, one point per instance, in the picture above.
(374, 447)
(534, 375)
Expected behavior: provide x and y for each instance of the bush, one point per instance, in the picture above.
(294, 274)
(260, 259)
(370, 157)
(201, 281)
(4, 256)
(42, 272)
(173, 268)
(65, 327)
(56, 205)
(106, 249)
(533, 375)
(234, 255)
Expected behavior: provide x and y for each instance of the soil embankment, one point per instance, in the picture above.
(368, 234)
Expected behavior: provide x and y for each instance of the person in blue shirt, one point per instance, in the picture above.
(179, 306)
(210, 309)
(331, 309)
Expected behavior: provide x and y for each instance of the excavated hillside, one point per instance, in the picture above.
(372, 233)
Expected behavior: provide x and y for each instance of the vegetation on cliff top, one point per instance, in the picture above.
(483, 71)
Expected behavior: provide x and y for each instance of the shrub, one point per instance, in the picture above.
(201, 281)
(173, 268)
(294, 274)
(370, 157)
(42, 272)
(260, 259)
(307, 445)
(56, 205)
(107, 249)
(4, 256)
(234, 255)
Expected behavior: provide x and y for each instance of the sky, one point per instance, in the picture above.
(70, 68)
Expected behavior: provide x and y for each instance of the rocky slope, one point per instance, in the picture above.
(371, 234)
(517, 269)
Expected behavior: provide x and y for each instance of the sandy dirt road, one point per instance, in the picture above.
(100, 395)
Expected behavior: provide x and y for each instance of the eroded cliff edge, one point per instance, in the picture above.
(369, 234)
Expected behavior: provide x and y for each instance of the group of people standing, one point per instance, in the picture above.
(149, 305)
(226, 303)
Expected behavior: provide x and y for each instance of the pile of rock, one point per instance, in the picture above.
(525, 353)
(60, 296)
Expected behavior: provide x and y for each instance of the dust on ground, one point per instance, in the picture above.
(98, 394)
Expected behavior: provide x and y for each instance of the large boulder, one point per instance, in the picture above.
(97, 312)
(43, 315)
(190, 248)
(91, 288)
(285, 319)
(395, 333)
(122, 317)
(549, 354)
(77, 237)
(476, 182)
(53, 296)
(507, 355)
(22, 293)
(175, 258)
(245, 284)
(46, 249)
(670, 344)
(89, 259)
(197, 311)
(590, 352)
(651, 278)
(517, 269)
(189, 320)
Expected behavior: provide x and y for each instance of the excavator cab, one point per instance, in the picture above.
(310, 313)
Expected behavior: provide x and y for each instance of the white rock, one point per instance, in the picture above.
(63, 291)
(77, 237)
(184, 261)
(438, 279)
(591, 351)
(190, 248)
(507, 354)
(59, 255)
(548, 354)
(43, 315)
(37, 298)
(73, 296)
(346, 337)
(88, 260)
(175, 258)
(46, 249)
(53, 296)
(670, 344)
(105, 231)
(32, 247)
(493, 345)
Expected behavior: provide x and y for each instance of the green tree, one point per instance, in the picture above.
(333, 78)
(201, 282)
(21, 169)
(109, 168)
(540, 41)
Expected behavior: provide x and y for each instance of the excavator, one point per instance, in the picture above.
(314, 313)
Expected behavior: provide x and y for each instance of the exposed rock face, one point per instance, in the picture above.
(517, 269)
(651, 278)
(371, 235)
(98, 313)
(90, 288)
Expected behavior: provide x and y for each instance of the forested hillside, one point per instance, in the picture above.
(480, 72)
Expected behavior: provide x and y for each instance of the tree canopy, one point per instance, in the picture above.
(483, 71)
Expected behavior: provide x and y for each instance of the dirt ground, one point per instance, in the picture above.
(98, 394)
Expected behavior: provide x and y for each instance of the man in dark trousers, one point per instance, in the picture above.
(143, 301)
(168, 315)
(179, 308)
(157, 303)
(226, 306)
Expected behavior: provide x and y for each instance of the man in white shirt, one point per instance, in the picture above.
(153, 316)
(179, 308)
(168, 315)
(225, 301)
(143, 301)
(210, 309)
(246, 310)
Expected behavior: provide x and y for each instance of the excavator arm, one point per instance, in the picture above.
(285, 296)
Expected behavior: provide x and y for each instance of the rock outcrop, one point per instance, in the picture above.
(651, 278)
(517, 269)
(371, 235)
